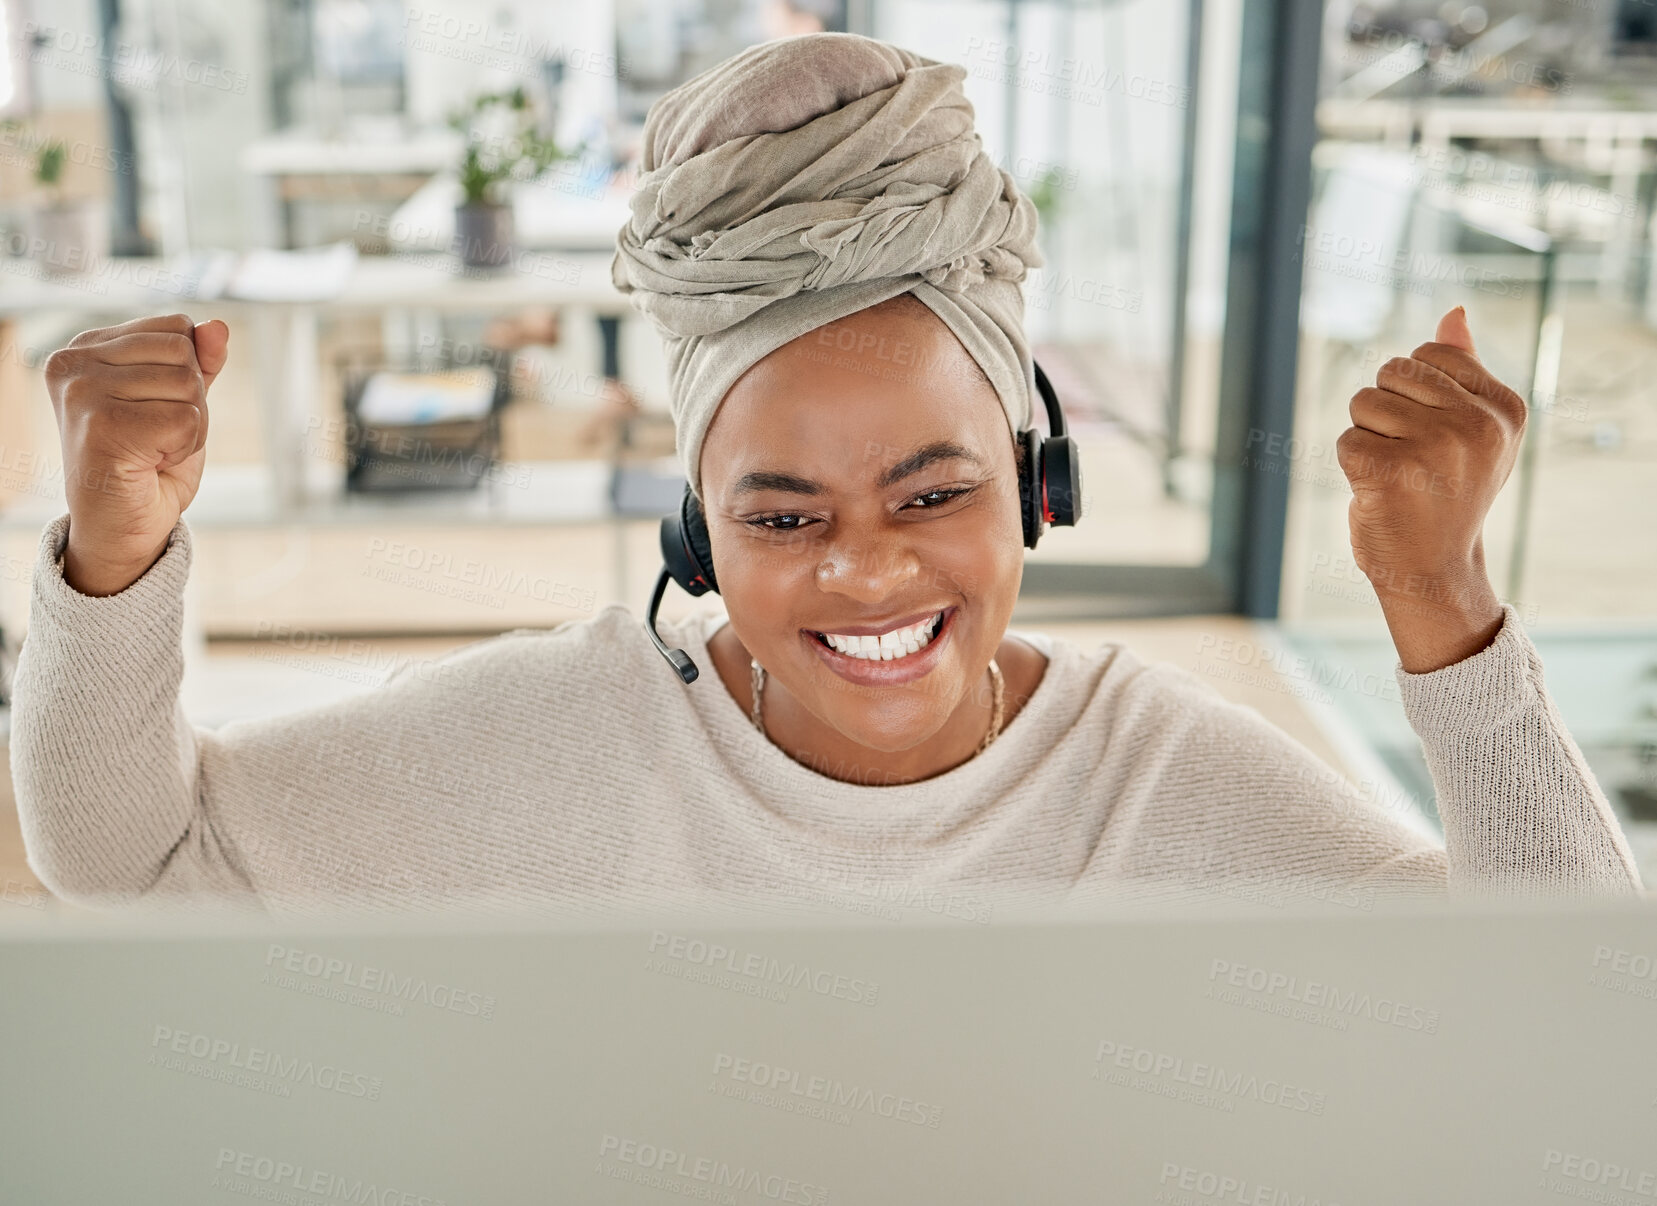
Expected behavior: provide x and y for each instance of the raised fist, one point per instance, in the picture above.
(131, 405)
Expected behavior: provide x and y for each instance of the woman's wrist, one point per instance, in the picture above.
(1439, 620)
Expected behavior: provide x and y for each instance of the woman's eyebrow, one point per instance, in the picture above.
(938, 450)
(792, 483)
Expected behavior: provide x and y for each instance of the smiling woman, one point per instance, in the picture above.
(845, 502)
(835, 269)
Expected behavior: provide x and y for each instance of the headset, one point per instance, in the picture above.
(1048, 492)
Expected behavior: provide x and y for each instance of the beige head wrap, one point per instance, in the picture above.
(806, 179)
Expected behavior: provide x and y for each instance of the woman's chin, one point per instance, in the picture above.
(885, 733)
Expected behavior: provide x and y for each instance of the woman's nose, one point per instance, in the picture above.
(867, 565)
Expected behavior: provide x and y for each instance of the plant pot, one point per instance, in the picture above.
(483, 235)
(70, 237)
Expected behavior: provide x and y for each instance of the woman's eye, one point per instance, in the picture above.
(793, 523)
(769, 522)
(942, 496)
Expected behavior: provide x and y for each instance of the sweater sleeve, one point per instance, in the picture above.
(466, 777)
(1203, 794)
(1520, 807)
(103, 760)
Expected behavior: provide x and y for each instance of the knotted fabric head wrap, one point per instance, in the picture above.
(803, 180)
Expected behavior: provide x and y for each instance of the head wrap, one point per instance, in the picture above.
(805, 179)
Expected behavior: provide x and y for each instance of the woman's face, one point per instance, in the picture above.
(861, 479)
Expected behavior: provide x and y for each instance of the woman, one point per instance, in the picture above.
(835, 267)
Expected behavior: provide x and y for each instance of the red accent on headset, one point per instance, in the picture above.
(1046, 511)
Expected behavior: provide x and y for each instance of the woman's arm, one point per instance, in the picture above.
(1431, 445)
(433, 786)
(1521, 809)
(1204, 795)
(104, 762)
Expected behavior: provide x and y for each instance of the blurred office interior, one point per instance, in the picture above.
(404, 211)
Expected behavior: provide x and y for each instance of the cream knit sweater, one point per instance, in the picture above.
(570, 767)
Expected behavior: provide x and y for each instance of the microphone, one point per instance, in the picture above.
(677, 658)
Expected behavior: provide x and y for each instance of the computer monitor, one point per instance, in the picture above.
(1468, 1054)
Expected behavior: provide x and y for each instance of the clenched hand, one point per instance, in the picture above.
(131, 405)
(1431, 444)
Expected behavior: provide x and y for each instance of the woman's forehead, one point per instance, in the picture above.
(834, 401)
(854, 396)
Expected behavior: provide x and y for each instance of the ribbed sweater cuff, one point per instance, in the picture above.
(1480, 693)
(108, 619)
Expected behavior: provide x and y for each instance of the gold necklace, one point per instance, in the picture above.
(758, 690)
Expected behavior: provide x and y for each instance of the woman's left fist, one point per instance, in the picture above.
(1432, 442)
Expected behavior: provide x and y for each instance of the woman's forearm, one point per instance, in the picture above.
(1521, 809)
(104, 760)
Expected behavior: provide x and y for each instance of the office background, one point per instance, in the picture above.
(439, 420)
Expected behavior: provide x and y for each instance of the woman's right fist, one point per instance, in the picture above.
(131, 405)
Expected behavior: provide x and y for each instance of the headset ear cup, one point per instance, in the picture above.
(1029, 486)
(696, 533)
(1062, 475)
(682, 535)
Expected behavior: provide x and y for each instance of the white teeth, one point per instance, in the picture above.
(888, 646)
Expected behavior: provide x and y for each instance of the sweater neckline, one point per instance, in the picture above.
(933, 806)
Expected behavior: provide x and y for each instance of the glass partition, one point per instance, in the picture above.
(1396, 236)
(1122, 122)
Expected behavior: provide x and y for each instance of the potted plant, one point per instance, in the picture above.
(504, 144)
(69, 234)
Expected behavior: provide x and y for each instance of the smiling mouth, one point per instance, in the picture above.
(893, 646)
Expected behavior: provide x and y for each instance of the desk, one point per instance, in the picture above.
(567, 209)
(291, 163)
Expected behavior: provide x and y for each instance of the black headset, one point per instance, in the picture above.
(1048, 492)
